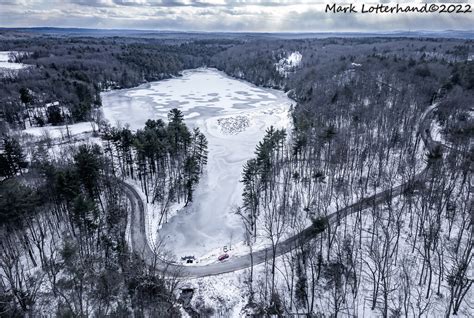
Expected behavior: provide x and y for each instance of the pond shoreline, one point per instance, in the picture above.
(209, 99)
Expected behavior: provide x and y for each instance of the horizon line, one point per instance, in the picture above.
(225, 31)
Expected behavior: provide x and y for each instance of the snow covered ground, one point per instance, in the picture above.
(289, 63)
(60, 131)
(233, 115)
(225, 294)
(7, 67)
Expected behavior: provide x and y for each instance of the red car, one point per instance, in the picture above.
(223, 257)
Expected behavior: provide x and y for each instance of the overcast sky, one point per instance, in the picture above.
(219, 15)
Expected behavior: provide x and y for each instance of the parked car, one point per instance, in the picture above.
(188, 259)
(223, 257)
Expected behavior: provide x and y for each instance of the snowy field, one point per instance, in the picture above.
(60, 132)
(233, 115)
(7, 67)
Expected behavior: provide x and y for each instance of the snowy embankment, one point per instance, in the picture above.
(153, 217)
(233, 115)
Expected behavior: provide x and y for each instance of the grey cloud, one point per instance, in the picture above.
(138, 3)
(193, 16)
(92, 3)
(193, 3)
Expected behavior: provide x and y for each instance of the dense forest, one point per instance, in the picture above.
(356, 134)
(65, 214)
(364, 123)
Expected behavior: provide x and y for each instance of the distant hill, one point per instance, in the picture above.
(164, 34)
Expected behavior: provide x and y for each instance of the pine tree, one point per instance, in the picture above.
(251, 191)
(88, 162)
(200, 148)
(13, 158)
(179, 135)
(191, 171)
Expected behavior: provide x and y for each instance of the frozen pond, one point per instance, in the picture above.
(233, 115)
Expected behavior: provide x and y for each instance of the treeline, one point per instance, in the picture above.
(64, 248)
(427, 64)
(73, 72)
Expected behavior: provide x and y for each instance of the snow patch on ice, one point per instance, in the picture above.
(233, 125)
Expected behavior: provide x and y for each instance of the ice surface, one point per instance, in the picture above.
(207, 98)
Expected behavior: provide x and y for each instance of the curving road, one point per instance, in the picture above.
(140, 243)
